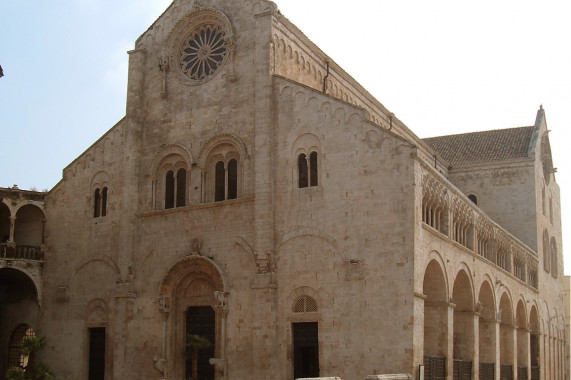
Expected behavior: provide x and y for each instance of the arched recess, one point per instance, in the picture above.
(193, 296)
(487, 330)
(534, 342)
(4, 222)
(29, 226)
(463, 337)
(19, 305)
(435, 315)
(522, 338)
(506, 337)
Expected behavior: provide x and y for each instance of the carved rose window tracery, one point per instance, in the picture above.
(203, 52)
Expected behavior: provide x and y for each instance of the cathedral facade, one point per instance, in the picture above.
(257, 196)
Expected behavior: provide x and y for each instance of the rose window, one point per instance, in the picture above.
(203, 52)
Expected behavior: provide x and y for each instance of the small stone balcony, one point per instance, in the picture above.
(21, 252)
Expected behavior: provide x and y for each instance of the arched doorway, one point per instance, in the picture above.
(487, 332)
(18, 307)
(435, 322)
(463, 337)
(193, 298)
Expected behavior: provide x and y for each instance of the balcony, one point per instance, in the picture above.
(21, 252)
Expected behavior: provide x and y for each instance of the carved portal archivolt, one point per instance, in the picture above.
(192, 282)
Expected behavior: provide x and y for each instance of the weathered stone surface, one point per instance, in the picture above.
(268, 202)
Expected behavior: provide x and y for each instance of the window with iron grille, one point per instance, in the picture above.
(15, 357)
(305, 304)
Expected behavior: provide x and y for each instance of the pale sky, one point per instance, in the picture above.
(442, 66)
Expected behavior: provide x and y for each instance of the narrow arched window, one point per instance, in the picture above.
(104, 202)
(169, 189)
(546, 254)
(97, 204)
(302, 171)
(553, 251)
(313, 169)
(181, 188)
(232, 179)
(220, 182)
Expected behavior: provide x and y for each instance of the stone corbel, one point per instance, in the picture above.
(164, 304)
(220, 368)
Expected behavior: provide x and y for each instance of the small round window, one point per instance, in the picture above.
(203, 52)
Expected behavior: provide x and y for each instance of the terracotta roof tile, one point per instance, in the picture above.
(480, 147)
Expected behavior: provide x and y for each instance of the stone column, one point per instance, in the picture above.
(418, 335)
(514, 351)
(476, 349)
(527, 343)
(12, 228)
(450, 345)
(498, 322)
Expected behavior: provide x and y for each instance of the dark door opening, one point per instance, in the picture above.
(97, 353)
(305, 350)
(200, 320)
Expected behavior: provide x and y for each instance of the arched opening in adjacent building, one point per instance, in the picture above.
(506, 338)
(487, 332)
(18, 307)
(29, 232)
(435, 322)
(463, 337)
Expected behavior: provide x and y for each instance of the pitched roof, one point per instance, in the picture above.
(480, 147)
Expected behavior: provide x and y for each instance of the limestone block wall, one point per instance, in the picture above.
(295, 57)
(504, 192)
(345, 241)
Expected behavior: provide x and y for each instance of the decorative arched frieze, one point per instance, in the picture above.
(435, 203)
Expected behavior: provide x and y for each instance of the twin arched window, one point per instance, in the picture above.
(226, 180)
(307, 170)
(175, 188)
(100, 202)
